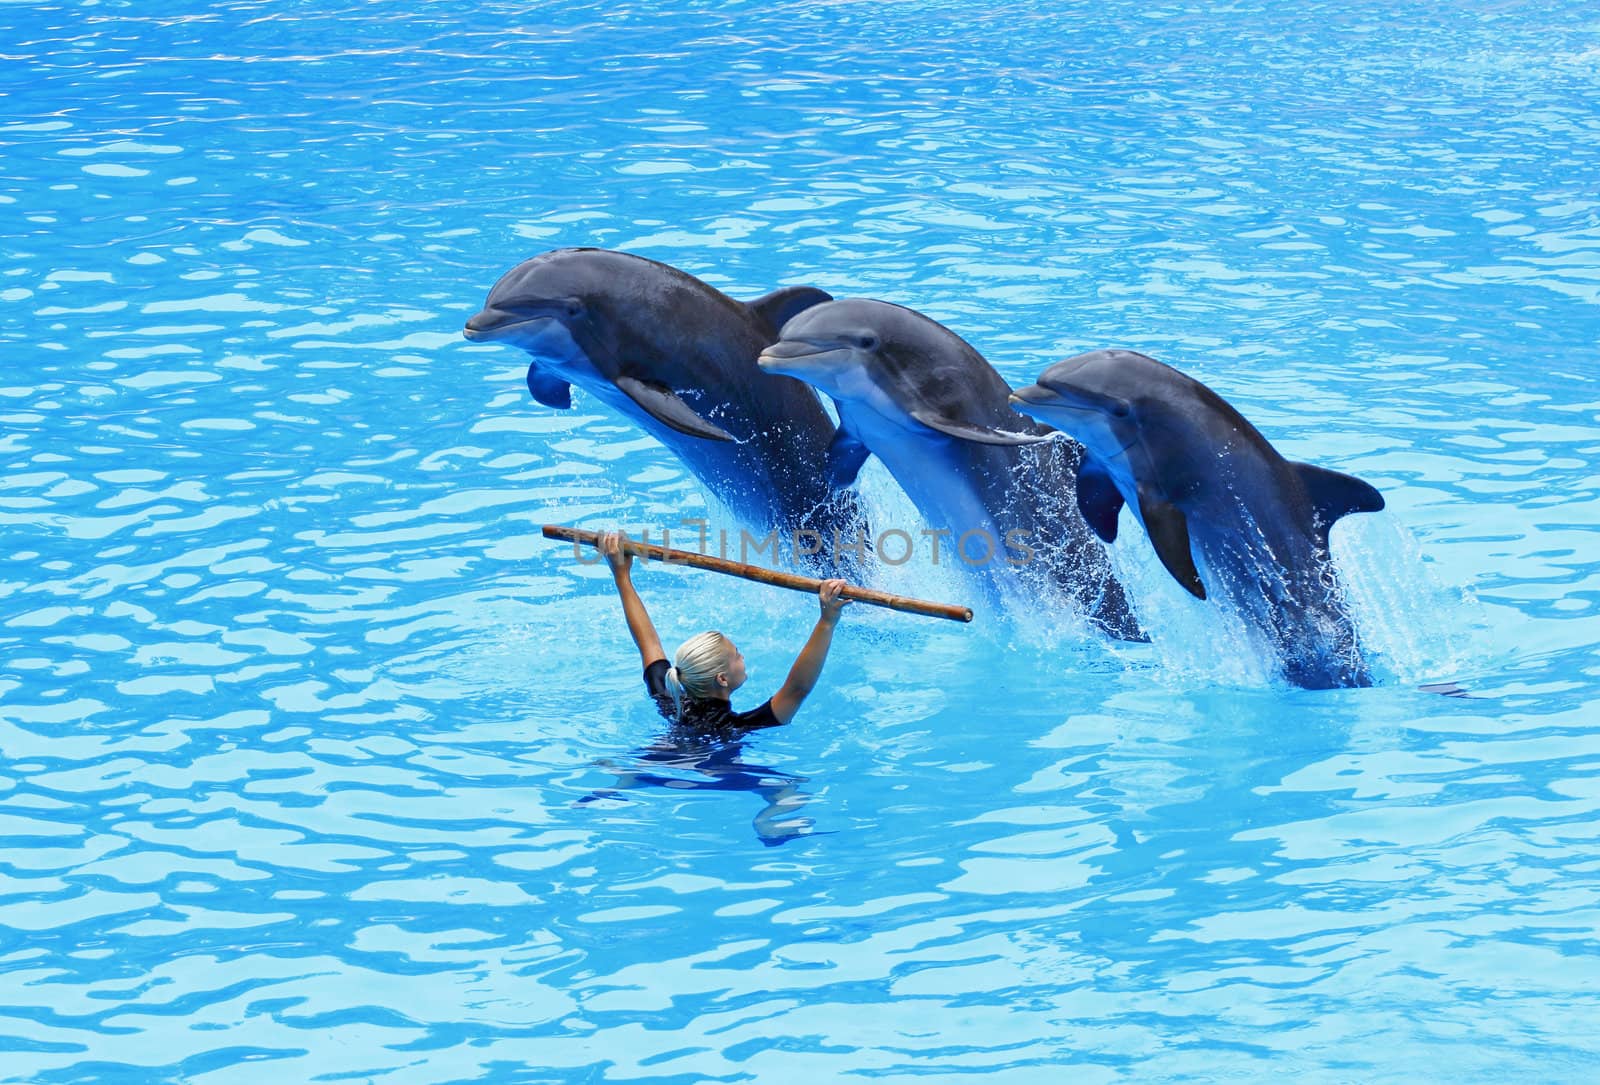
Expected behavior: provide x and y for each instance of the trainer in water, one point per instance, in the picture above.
(1229, 517)
(677, 358)
(696, 689)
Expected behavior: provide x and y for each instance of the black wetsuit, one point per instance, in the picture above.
(714, 715)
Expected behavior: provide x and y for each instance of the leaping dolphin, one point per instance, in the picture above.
(916, 395)
(1212, 494)
(678, 358)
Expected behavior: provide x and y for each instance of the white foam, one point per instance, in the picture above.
(1413, 627)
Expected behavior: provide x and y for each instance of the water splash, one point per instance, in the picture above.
(1413, 627)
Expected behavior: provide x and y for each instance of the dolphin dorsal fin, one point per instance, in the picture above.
(663, 404)
(846, 454)
(1099, 500)
(1168, 529)
(784, 303)
(1334, 494)
(551, 391)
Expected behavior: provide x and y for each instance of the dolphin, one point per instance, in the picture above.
(1212, 494)
(916, 395)
(677, 357)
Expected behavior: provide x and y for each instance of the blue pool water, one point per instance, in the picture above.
(313, 753)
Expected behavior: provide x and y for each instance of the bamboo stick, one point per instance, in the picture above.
(792, 581)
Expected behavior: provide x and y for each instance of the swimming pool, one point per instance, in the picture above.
(308, 742)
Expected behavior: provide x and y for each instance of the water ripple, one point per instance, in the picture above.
(318, 762)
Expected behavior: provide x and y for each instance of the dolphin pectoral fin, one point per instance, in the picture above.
(551, 391)
(662, 404)
(846, 454)
(1099, 500)
(1168, 529)
(783, 304)
(1334, 494)
(965, 431)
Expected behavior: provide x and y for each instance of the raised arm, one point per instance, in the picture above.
(639, 624)
(808, 665)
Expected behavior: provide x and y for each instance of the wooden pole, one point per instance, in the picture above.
(760, 575)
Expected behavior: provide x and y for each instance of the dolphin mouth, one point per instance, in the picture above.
(780, 355)
(1033, 393)
(485, 327)
(1038, 402)
(493, 324)
(1037, 395)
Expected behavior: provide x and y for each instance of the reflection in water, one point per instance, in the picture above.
(710, 761)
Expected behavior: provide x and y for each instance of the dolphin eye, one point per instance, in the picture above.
(574, 307)
(867, 342)
(1120, 410)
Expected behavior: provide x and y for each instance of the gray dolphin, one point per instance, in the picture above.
(1211, 492)
(678, 358)
(916, 395)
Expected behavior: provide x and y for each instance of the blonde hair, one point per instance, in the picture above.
(694, 671)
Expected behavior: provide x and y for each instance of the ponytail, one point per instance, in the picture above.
(693, 675)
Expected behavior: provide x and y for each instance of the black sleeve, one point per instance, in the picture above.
(655, 682)
(761, 716)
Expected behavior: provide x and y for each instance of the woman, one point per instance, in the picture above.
(695, 690)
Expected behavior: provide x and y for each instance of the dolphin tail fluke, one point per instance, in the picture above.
(1314, 669)
(783, 304)
(1114, 614)
(1168, 529)
(1334, 494)
(662, 404)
